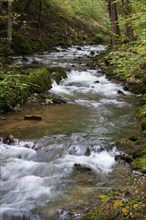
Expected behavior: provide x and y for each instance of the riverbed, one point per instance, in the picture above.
(64, 161)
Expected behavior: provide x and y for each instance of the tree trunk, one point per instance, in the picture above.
(23, 10)
(10, 17)
(114, 20)
(127, 11)
(40, 14)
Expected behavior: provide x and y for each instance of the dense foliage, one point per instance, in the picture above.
(128, 58)
(47, 23)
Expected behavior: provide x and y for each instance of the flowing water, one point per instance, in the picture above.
(64, 161)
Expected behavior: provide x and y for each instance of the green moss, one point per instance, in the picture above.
(13, 90)
(139, 163)
(144, 98)
(57, 74)
(127, 146)
(39, 80)
(143, 124)
(142, 111)
(99, 38)
(140, 151)
(142, 116)
(133, 138)
(98, 214)
(2, 76)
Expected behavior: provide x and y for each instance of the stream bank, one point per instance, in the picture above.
(133, 79)
(42, 26)
(132, 76)
(17, 86)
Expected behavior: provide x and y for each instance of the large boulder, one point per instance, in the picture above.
(139, 163)
(39, 80)
(16, 88)
(57, 73)
(82, 168)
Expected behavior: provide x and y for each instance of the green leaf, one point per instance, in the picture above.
(104, 198)
(117, 203)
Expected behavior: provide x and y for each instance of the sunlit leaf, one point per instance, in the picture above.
(125, 211)
(117, 203)
(135, 206)
(104, 198)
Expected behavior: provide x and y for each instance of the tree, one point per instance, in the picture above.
(127, 11)
(24, 6)
(112, 7)
(10, 22)
(40, 13)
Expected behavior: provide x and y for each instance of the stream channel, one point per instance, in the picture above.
(64, 161)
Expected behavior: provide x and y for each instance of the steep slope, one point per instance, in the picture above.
(50, 23)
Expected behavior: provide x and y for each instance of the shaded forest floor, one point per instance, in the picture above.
(52, 26)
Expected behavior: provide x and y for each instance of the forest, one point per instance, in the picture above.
(43, 42)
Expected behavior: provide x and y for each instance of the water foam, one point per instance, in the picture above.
(27, 183)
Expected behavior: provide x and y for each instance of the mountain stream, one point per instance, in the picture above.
(64, 161)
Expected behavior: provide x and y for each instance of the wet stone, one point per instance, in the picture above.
(79, 48)
(120, 92)
(9, 139)
(92, 52)
(81, 167)
(33, 117)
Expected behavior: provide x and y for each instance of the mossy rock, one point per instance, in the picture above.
(127, 146)
(133, 138)
(16, 88)
(57, 73)
(139, 163)
(40, 80)
(140, 152)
